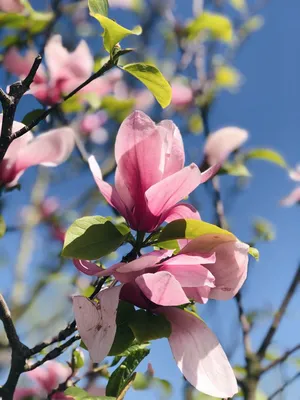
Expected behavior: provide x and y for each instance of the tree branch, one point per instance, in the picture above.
(19, 352)
(278, 315)
(244, 324)
(284, 386)
(280, 359)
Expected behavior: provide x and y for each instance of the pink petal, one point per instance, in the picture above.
(166, 193)
(20, 65)
(221, 143)
(132, 293)
(87, 267)
(162, 288)
(80, 62)
(198, 294)
(182, 95)
(210, 172)
(188, 271)
(146, 261)
(295, 173)
(174, 150)
(96, 323)
(24, 393)
(56, 57)
(50, 375)
(292, 199)
(49, 149)
(182, 211)
(11, 6)
(109, 192)
(139, 155)
(199, 355)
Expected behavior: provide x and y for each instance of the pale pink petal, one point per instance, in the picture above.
(162, 289)
(191, 259)
(181, 211)
(295, 173)
(11, 6)
(24, 393)
(144, 99)
(210, 172)
(198, 294)
(50, 375)
(221, 143)
(144, 262)
(199, 354)
(139, 154)
(49, 149)
(56, 57)
(20, 65)
(109, 192)
(96, 322)
(174, 153)
(206, 243)
(169, 191)
(80, 62)
(292, 199)
(182, 95)
(18, 143)
(87, 267)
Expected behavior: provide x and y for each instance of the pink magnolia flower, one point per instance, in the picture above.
(11, 6)
(182, 95)
(150, 177)
(48, 207)
(67, 70)
(45, 379)
(50, 149)
(210, 266)
(92, 126)
(221, 143)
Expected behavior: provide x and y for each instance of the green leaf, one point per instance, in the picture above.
(122, 375)
(98, 7)
(2, 226)
(124, 336)
(267, 155)
(235, 169)
(169, 245)
(191, 229)
(116, 108)
(164, 385)
(141, 381)
(80, 394)
(113, 32)
(77, 359)
(219, 27)
(239, 5)
(90, 238)
(153, 79)
(147, 326)
(135, 347)
(32, 115)
(264, 230)
(254, 253)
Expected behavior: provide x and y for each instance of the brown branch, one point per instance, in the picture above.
(279, 315)
(281, 359)
(284, 386)
(19, 352)
(246, 327)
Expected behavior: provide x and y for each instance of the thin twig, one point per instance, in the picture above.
(278, 315)
(284, 386)
(281, 359)
(246, 327)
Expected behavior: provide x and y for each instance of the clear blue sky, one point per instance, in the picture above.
(268, 106)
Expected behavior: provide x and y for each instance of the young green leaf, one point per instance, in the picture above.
(147, 326)
(90, 238)
(219, 27)
(2, 226)
(267, 155)
(122, 375)
(153, 79)
(32, 115)
(80, 394)
(98, 7)
(254, 253)
(124, 336)
(77, 359)
(190, 229)
(113, 32)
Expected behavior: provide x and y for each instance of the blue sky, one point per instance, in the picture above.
(268, 106)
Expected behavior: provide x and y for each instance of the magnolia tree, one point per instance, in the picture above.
(86, 303)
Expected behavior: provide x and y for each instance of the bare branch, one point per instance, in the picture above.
(280, 359)
(278, 315)
(246, 327)
(284, 386)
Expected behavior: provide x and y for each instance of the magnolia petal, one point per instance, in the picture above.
(182, 95)
(162, 289)
(139, 154)
(109, 192)
(198, 294)
(174, 150)
(199, 354)
(56, 56)
(221, 143)
(146, 261)
(50, 149)
(292, 199)
(96, 322)
(80, 62)
(230, 269)
(87, 267)
(11, 6)
(20, 65)
(169, 191)
(26, 393)
(210, 173)
(182, 211)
